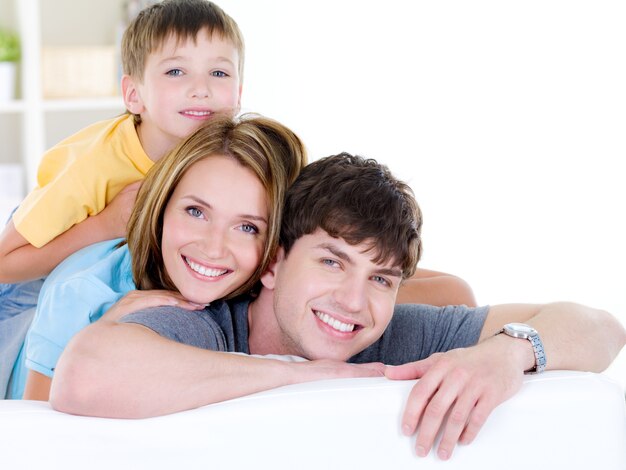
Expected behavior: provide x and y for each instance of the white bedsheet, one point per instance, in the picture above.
(559, 420)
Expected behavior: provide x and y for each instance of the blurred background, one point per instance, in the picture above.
(507, 118)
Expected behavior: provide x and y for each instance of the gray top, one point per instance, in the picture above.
(415, 331)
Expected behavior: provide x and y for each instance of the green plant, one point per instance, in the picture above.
(9, 46)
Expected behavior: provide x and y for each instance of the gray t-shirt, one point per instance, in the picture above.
(415, 331)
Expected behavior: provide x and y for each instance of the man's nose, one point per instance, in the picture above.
(350, 294)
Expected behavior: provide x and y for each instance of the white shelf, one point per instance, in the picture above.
(11, 107)
(84, 104)
(113, 103)
(39, 121)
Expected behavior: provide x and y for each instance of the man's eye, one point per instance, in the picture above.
(381, 280)
(330, 262)
(249, 228)
(174, 72)
(194, 212)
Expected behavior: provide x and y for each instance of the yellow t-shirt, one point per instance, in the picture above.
(79, 177)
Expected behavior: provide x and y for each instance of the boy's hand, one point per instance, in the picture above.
(114, 217)
(463, 384)
(140, 299)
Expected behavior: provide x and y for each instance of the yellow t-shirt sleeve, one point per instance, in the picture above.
(79, 177)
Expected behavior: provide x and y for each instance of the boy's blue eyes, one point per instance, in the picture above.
(179, 72)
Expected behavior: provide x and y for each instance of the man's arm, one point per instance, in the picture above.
(126, 370)
(20, 261)
(469, 383)
(435, 288)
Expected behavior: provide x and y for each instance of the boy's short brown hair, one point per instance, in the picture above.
(358, 200)
(183, 19)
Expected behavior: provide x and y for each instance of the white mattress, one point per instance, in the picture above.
(559, 420)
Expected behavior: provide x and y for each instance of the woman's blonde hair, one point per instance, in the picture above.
(270, 150)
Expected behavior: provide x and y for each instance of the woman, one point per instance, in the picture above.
(204, 227)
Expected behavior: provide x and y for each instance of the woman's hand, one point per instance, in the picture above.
(140, 299)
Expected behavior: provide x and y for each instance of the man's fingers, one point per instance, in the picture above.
(411, 370)
(477, 419)
(435, 413)
(418, 399)
(456, 423)
(377, 369)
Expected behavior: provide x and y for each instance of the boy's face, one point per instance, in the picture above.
(331, 300)
(183, 85)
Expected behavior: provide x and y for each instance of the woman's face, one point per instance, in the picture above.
(214, 229)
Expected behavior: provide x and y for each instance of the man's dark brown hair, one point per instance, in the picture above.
(359, 200)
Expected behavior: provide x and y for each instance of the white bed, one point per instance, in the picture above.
(559, 420)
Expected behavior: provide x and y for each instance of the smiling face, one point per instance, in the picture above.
(184, 83)
(214, 229)
(330, 299)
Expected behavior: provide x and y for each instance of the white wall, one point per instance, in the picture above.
(507, 118)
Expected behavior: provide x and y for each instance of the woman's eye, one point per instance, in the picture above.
(249, 228)
(174, 72)
(219, 73)
(194, 212)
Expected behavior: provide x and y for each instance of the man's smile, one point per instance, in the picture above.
(336, 324)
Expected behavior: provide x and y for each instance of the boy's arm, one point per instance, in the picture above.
(21, 261)
(469, 383)
(435, 288)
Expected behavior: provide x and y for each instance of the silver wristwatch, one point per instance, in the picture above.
(523, 331)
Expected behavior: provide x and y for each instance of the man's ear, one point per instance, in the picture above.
(132, 100)
(268, 278)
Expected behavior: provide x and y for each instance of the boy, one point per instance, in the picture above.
(182, 62)
(350, 235)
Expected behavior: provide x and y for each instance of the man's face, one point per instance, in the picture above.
(331, 300)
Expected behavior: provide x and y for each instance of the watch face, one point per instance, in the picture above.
(519, 330)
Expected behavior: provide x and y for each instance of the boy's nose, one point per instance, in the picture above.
(201, 88)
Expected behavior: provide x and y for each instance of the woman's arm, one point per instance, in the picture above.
(435, 288)
(37, 386)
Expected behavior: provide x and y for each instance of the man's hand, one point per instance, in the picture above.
(322, 369)
(137, 300)
(456, 393)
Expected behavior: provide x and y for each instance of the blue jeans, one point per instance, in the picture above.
(17, 309)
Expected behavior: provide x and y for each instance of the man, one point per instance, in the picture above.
(350, 235)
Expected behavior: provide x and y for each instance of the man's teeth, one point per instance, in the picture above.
(209, 272)
(334, 323)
